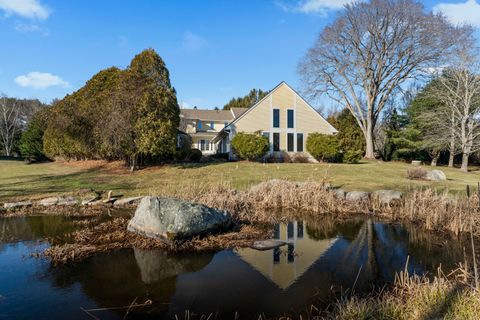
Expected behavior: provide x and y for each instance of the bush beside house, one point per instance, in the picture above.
(324, 147)
(250, 146)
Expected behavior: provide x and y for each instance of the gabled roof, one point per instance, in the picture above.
(270, 93)
(237, 112)
(207, 115)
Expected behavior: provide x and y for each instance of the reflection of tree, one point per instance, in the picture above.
(30, 228)
(330, 228)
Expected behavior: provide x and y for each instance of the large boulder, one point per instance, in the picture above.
(436, 175)
(387, 196)
(171, 219)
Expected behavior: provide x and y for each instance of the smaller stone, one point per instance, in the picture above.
(387, 196)
(14, 205)
(268, 244)
(127, 201)
(95, 203)
(109, 200)
(51, 201)
(358, 196)
(416, 163)
(68, 201)
(88, 201)
(436, 175)
(339, 193)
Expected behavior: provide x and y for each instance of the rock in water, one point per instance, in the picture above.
(170, 219)
(436, 175)
(268, 244)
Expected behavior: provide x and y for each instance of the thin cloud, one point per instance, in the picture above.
(193, 42)
(319, 7)
(460, 13)
(40, 80)
(31, 9)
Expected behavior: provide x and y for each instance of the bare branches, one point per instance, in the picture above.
(9, 124)
(371, 50)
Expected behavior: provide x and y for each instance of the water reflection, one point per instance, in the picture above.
(321, 254)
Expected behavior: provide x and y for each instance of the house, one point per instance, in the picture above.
(282, 116)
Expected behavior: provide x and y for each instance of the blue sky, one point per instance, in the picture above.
(214, 50)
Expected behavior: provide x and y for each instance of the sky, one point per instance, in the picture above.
(214, 49)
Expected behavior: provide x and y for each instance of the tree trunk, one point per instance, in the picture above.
(435, 160)
(450, 159)
(370, 150)
(464, 166)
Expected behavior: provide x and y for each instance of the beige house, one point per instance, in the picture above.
(283, 116)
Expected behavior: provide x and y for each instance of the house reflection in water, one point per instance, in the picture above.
(284, 265)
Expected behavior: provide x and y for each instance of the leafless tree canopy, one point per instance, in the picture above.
(362, 59)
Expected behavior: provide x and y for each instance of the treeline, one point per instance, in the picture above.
(246, 101)
(129, 114)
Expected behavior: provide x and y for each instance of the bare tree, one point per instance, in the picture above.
(372, 49)
(460, 92)
(10, 124)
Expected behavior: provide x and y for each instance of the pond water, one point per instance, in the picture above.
(322, 259)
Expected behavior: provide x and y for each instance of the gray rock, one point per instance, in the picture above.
(68, 201)
(14, 205)
(268, 244)
(127, 201)
(357, 196)
(416, 163)
(51, 201)
(436, 175)
(387, 196)
(169, 219)
(339, 193)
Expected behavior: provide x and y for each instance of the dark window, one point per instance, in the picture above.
(200, 125)
(276, 118)
(212, 125)
(276, 141)
(202, 145)
(291, 253)
(290, 230)
(290, 138)
(299, 142)
(276, 255)
(276, 231)
(300, 229)
(207, 145)
(290, 122)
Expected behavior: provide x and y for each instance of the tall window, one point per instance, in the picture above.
(299, 142)
(276, 118)
(290, 121)
(276, 141)
(204, 145)
(212, 125)
(199, 125)
(290, 138)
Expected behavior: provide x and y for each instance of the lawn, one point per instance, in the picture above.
(19, 180)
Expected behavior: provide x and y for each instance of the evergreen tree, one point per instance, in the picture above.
(247, 101)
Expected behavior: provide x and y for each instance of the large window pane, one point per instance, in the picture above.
(276, 141)
(276, 118)
(290, 143)
(299, 142)
(290, 122)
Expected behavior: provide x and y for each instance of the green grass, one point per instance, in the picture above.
(19, 180)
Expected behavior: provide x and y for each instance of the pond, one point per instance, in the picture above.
(322, 259)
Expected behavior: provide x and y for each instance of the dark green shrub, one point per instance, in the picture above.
(194, 155)
(352, 156)
(324, 147)
(250, 146)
